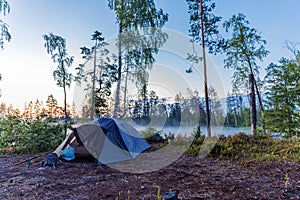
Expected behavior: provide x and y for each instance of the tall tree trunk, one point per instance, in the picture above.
(205, 73)
(235, 118)
(117, 98)
(253, 113)
(100, 88)
(125, 94)
(65, 91)
(261, 107)
(92, 114)
(252, 103)
(65, 109)
(65, 102)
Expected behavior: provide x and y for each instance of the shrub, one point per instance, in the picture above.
(151, 132)
(29, 136)
(242, 146)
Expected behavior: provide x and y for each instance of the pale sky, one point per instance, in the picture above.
(26, 68)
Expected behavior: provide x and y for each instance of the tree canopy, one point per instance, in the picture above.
(282, 97)
(245, 47)
(140, 37)
(212, 37)
(102, 76)
(56, 47)
(4, 33)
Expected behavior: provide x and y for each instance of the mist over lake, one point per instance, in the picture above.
(188, 130)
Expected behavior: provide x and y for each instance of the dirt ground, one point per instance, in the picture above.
(192, 178)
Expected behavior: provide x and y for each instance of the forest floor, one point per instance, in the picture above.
(192, 177)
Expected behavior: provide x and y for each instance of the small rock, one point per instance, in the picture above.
(172, 195)
(291, 194)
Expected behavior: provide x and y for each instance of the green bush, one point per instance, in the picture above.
(149, 132)
(29, 136)
(242, 146)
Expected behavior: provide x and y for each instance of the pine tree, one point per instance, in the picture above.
(282, 97)
(51, 105)
(204, 29)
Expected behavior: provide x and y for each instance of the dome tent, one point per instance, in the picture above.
(106, 139)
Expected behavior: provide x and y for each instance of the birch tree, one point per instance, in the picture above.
(139, 39)
(56, 47)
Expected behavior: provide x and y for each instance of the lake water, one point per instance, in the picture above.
(188, 130)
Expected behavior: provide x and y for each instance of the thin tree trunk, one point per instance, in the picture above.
(92, 114)
(235, 118)
(252, 83)
(100, 87)
(65, 91)
(205, 73)
(252, 103)
(261, 107)
(117, 98)
(65, 102)
(125, 94)
(65, 105)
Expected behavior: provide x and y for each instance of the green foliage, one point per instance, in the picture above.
(51, 104)
(216, 110)
(159, 196)
(194, 148)
(56, 47)
(237, 114)
(140, 37)
(149, 133)
(103, 90)
(179, 144)
(4, 33)
(251, 147)
(282, 97)
(102, 76)
(4, 7)
(286, 180)
(242, 50)
(212, 38)
(137, 14)
(197, 132)
(24, 136)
